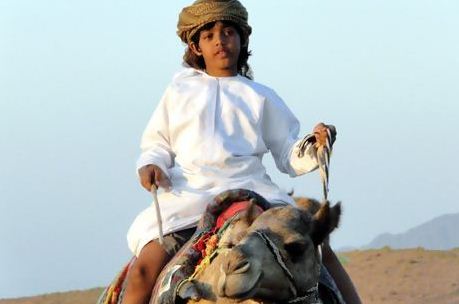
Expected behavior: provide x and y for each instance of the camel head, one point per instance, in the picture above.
(202, 289)
(278, 259)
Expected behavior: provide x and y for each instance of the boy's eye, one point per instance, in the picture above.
(229, 31)
(207, 36)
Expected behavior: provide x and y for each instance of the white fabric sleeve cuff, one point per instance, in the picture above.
(151, 157)
(301, 165)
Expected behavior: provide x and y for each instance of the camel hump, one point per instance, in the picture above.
(309, 204)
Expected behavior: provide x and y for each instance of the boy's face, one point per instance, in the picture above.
(220, 46)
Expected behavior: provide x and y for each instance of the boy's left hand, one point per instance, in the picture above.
(320, 133)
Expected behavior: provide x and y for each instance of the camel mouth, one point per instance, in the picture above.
(243, 290)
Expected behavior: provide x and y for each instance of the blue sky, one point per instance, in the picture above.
(79, 80)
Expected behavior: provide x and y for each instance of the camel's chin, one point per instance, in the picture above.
(242, 286)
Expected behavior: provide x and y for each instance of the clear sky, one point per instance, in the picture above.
(79, 80)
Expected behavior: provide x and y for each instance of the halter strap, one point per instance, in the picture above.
(311, 296)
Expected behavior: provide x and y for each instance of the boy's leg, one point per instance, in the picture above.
(340, 276)
(144, 272)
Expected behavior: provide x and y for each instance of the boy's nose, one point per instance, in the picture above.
(220, 39)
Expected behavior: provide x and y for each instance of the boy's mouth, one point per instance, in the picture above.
(222, 53)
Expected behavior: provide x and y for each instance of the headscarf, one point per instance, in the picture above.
(192, 18)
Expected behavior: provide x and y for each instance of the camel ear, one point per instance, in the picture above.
(308, 204)
(325, 221)
(253, 211)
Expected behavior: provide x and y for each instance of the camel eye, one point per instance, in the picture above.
(295, 249)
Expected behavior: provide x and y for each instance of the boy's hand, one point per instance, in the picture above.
(321, 133)
(151, 174)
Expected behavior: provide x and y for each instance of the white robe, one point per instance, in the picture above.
(209, 134)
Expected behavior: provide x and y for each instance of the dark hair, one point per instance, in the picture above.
(197, 62)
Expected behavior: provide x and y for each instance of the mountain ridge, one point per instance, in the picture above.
(439, 233)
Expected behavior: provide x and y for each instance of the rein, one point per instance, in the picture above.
(311, 296)
(154, 193)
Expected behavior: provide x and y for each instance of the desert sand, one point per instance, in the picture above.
(381, 276)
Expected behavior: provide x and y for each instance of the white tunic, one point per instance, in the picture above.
(209, 134)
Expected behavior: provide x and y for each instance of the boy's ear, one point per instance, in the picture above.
(195, 48)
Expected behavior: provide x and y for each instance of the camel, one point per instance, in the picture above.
(267, 258)
(271, 258)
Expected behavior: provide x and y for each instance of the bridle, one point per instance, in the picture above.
(311, 296)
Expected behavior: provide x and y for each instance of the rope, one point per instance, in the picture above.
(279, 259)
(311, 296)
(154, 193)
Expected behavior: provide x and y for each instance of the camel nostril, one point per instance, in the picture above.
(240, 267)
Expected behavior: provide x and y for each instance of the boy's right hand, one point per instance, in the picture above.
(151, 174)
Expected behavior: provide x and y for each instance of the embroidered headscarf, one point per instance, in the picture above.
(201, 12)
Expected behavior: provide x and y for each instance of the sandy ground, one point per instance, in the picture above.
(381, 276)
(405, 276)
(72, 297)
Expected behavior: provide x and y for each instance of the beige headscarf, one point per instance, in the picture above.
(194, 17)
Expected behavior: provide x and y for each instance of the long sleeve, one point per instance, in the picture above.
(280, 134)
(155, 144)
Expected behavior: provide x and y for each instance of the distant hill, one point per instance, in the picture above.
(441, 233)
